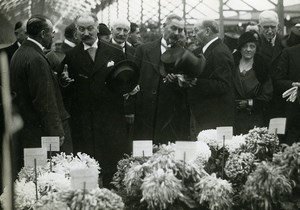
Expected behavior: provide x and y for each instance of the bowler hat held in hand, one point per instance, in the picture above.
(183, 62)
(123, 77)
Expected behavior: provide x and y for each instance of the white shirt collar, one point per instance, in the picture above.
(209, 43)
(71, 44)
(19, 44)
(36, 42)
(95, 45)
(163, 45)
(121, 45)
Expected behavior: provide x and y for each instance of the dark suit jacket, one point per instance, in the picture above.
(212, 99)
(38, 96)
(10, 50)
(97, 113)
(161, 109)
(288, 72)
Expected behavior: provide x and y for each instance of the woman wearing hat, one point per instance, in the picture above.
(253, 86)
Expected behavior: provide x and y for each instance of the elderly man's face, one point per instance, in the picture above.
(174, 31)
(120, 32)
(200, 34)
(269, 29)
(87, 29)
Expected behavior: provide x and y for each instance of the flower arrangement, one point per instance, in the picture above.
(54, 189)
(261, 144)
(162, 182)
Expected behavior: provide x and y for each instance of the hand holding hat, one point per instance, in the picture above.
(123, 77)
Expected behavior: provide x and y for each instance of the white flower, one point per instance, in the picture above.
(110, 63)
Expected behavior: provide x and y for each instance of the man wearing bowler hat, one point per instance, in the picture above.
(161, 111)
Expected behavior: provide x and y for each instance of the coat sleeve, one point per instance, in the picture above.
(281, 80)
(41, 86)
(220, 79)
(129, 102)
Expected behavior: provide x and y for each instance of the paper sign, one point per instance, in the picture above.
(51, 140)
(142, 148)
(85, 176)
(277, 124)
(185, 150)
(224, 131)
(40, 154)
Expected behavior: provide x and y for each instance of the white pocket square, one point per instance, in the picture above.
(110, 63)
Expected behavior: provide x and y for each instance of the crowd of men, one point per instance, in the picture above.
(67, 91)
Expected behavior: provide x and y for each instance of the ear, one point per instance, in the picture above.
(43, 33)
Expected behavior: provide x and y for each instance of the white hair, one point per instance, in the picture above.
(118, 22)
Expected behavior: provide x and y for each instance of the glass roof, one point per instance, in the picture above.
(63, 12)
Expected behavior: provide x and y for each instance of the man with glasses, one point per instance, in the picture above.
(271, 48)
(97, 113)
(38, 97)
(161, 112)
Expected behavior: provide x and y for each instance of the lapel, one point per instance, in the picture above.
(153, 53)
(84, 61)
(211, 47)
(103, 56)
(237, 83)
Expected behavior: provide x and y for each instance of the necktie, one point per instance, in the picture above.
(92, 52)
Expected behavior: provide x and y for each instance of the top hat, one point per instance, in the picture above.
(190, 65)
(123, 77)
(294, 37)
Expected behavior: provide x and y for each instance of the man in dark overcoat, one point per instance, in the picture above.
(97, 113)
(161, 112)
(38, 97)
(286, 77)
(211, 100)
(271, 48)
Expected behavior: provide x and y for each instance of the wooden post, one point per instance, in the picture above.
(221, 20)
(280, 11)
(6, 148)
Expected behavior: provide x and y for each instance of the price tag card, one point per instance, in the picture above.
(51, 140)
(277, 124)
(185, 150)
(142, 148)
(84, 176)
(40, 154)
(224, 131)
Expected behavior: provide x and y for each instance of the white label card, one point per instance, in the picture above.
(224, 131)
(185, 150)
(142, 148)
(40, 154)
(277, 124)
(51, 140)
(85, 176)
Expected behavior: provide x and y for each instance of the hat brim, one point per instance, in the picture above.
(123, 77)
